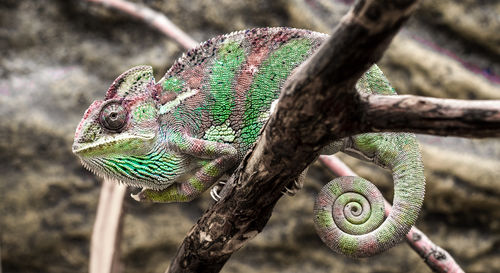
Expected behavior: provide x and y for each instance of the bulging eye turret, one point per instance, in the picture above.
(113, 116)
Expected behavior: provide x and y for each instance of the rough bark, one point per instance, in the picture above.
(444, 117)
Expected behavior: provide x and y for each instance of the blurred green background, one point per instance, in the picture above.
(58, 56)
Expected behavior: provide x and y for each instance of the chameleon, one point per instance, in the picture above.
(177, 137)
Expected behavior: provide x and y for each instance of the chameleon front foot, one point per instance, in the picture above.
(140, 196)
(214, 192)
(171, 194)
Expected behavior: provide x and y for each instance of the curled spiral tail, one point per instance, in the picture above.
(339, 220)
(348, 211)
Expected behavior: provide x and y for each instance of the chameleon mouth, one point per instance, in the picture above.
(105, 144)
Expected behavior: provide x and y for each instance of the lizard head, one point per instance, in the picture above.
(123, 125)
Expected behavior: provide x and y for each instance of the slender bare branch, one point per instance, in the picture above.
(106, 235)
(438, 259)
(466, 118)
(154, 18)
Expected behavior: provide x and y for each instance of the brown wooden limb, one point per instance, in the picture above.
(438, 259)
(154, 18)
(445, 117)
(314, 108)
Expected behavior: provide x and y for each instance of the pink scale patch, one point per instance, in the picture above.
(374, 192)
(167, 96)
(331, 235)
(347, 184)
(245, 78)
(194, 76)
(368, 245)
(156, 91)
(324, 200)
(282, 36)
(338, 213)
(187, 189)
(130, 101)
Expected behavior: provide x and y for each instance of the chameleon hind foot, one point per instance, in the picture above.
(296, 186)
(293, 188)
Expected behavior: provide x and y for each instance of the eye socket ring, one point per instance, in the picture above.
(113, 116)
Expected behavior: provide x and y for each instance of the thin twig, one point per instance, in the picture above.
(154, 18)
(438, 259)
(106, 235)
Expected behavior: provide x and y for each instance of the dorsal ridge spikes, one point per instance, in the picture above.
(210, 46)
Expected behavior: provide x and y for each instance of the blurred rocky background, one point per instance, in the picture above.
(58, 56)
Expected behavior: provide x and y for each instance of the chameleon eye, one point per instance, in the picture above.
(113, 116)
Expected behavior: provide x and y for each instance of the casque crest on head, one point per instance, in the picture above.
(128, 104)
(131, 82)
(116, 137)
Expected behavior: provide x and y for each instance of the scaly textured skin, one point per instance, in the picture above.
(178, 136)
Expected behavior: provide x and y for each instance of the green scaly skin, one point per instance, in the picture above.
(178, 136)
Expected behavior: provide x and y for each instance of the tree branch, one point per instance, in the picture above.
(106, 234)
(445, 117)
(315, 107)
(156, 19)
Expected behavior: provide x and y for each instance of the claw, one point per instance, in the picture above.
(140, 196)
(214, 192)
(288, 191)
(297, 185)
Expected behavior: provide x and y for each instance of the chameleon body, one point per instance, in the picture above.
(176, 137)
